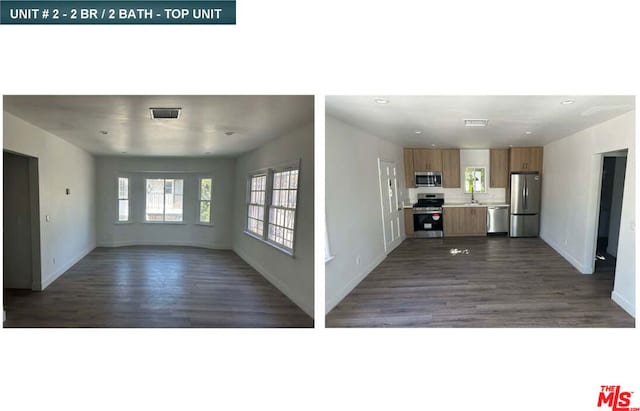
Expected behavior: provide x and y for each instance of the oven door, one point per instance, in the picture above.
(426, 222)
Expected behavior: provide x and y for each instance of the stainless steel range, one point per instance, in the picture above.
(427, 215)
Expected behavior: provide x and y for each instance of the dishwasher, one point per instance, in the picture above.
(498, 220)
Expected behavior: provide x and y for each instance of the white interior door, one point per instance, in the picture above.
(390, 203)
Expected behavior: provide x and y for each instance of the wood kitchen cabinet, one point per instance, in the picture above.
(499, 168)
(464, 221)
(409, 178)
(526, 159)
(425, 159)
(408, 222)
(451, 168)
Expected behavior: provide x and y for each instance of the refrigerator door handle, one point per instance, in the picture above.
(524, 195)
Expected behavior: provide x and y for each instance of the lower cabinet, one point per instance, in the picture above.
(465, 221)
(408, 222)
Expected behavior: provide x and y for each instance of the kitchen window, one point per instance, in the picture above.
(204, 216)
(164, 200)
(123, 199)
(475, 180)
(271, 206)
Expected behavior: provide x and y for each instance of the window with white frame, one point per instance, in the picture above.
(282, 210)
(205, 201)
(123, 199)
(271, 210)
(164, 202)
(255, 209)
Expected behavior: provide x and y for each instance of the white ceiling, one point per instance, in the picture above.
(200, 130)
(440, 118)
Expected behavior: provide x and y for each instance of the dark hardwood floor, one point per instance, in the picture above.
(156, 287)
(502, 282)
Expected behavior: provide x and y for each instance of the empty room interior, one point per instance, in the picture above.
(158, 211)
(480, 211)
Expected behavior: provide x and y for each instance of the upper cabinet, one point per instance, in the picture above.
(425, 159)
(409, 179)
(499, 168)
(526, 159)
(451, 168)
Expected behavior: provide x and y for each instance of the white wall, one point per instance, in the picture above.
(354, 220)
(189, 233)
(570, 200)
(291, 275)
(616, 205)
(70, 232)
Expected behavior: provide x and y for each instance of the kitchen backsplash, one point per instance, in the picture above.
(455, 195)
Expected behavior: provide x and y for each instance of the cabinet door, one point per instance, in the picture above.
(534, 162)
(453, 222)
(451, 168)
(478, 224)
(499, 166)
(408, 222)
(420, 159)
(425, 159)
(409, 177)
(519, 158)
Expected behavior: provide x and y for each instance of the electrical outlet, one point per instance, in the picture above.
(358, 260)
(54, 260)
(47, 218)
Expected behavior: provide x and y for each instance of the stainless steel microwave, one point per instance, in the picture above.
(428, 179)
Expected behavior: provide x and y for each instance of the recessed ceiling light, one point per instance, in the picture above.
(527, 132)
(381, 101)
(104, 132)
(510, 145)
(566, 102)
(418, 131)
(476, 122)
(433, 145)
(229, 133)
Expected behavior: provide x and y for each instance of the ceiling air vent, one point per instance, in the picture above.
(165, 113)
(476, 122)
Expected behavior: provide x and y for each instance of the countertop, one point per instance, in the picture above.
(476, 205)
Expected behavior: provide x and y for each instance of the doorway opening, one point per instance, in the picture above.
(614, 166)
(21, 219)
(390, 204)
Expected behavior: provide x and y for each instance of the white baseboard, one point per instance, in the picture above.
(170, 243)
(571, 259)
(334, 300)
(46, 281)
(624, 303)
(304, 305)
(331, 302)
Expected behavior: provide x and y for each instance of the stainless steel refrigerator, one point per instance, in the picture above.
(525, 204)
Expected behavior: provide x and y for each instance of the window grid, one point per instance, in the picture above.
(255, 209)
(164, 200)
(205, 200)
(283, 207)
(123, 199)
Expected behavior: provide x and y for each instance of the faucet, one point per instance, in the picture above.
(473, 200)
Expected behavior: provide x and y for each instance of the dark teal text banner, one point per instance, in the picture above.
(118, 12)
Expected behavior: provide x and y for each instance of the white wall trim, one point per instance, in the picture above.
(331, 304)
(217, 246)
(304, 305)
(48, 280)
(565, 254)
(624, 303)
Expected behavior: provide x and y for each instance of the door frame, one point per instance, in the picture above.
(596, 200)
(34, 213)
(399, 238)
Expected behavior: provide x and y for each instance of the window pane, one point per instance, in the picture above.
(205, 189)
(173, 200)
(205, 211)
(123, 188)
(155, 200)
(123, 210)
